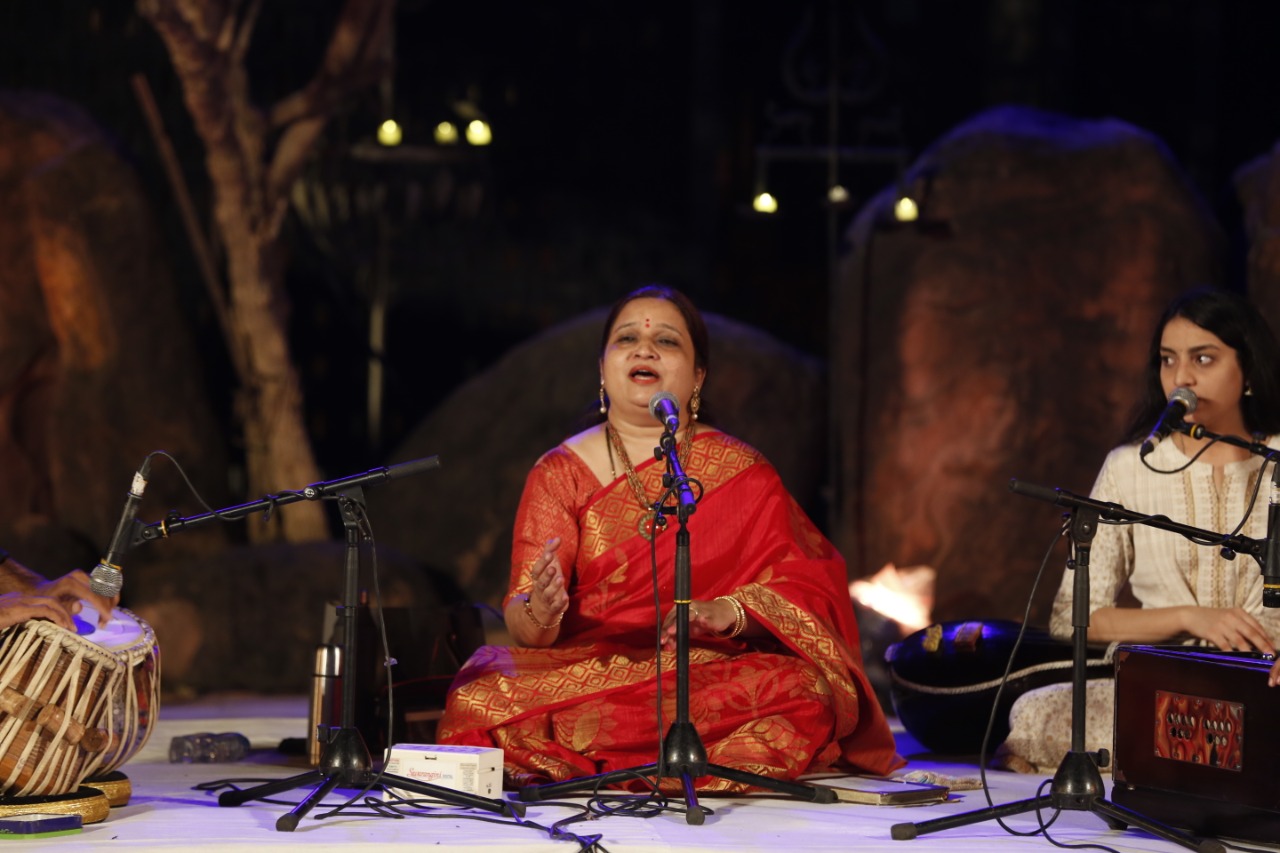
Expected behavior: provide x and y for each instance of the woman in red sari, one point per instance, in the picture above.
(776, 685)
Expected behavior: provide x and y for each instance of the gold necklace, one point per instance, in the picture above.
(645, 525)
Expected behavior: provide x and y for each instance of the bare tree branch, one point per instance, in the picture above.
(252, 172)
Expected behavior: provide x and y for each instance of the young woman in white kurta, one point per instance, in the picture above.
(1214, 343)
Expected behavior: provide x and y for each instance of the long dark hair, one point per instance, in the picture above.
(1238, 325)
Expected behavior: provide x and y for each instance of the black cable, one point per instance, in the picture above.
(1248, 510)
(1004, 679)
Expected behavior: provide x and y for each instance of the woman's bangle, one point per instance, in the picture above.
(739, 617)
(528, 609)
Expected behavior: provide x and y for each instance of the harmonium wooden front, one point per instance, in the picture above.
(1197, 742)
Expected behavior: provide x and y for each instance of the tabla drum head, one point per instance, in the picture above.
(121, 632)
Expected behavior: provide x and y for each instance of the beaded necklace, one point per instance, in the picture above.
(645, 525)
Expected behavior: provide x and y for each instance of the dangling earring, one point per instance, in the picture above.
(604, 407)
(695, 402)
(1248, 390)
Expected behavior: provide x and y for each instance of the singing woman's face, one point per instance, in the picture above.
(649, 350)
(1193, 357)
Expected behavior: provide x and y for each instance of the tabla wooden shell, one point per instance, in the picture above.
(74, 706)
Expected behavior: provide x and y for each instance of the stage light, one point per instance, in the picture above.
(390, 133)
(446, 133)
(905, 209)
(478, 132)
(837, 194)
(764, 203)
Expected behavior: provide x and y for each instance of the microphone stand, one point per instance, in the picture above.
(682, 755)
(1077, 785)
(1269, 557)
(345, 761)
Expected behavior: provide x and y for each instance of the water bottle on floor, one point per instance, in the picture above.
(208, 748)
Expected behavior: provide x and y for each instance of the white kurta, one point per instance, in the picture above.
(1164, 568)
(1161, 567)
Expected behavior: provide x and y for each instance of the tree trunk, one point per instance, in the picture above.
(269, 404)
(253, 156)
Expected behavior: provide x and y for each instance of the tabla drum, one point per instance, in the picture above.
(74, 704)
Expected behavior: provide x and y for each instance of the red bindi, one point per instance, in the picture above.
(646, 322)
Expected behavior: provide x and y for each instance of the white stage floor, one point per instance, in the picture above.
(166, 812)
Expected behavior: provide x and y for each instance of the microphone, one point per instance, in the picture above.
(1182, 402)
(666, 408)
(106, 579)
(1271, 556)
(371, 477)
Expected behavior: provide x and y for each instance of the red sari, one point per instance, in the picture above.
(796, 702)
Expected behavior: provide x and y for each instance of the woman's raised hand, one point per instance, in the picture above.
(548, 597)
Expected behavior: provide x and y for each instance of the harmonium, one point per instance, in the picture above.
(1197, 741)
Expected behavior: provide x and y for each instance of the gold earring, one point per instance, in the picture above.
(696, 402)
(604, 407)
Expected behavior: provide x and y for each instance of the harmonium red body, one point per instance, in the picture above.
(1197, 740)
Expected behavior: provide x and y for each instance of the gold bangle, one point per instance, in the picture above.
(528, 609)
(739, 617)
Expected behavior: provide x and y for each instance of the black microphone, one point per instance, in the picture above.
(106, 579)
(666, 408)
(1182, 402)
(371, 477)
(1271, 556)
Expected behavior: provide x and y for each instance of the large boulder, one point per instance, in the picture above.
(1002, 335)
(97, 362)
(1258, 190)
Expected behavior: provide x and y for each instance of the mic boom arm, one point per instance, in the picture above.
(330, 488)
(1115, 512)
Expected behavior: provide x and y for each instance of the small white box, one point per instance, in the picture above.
(472, 769)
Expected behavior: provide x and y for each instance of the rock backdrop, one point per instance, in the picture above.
(1258, 190)
(98, 367)
(1002, 335)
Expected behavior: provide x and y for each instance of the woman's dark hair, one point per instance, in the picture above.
(692, 319)
(1238, 325)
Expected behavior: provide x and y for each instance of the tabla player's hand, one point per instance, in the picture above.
(73, 588)
(1274, 677)
(19, 607)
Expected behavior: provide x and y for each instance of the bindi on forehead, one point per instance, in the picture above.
(647, 322)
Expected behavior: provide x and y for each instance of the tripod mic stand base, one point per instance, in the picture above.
(693, 812)
(346, 763)
(1077, 786)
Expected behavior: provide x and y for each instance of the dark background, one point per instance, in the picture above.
(626, 140)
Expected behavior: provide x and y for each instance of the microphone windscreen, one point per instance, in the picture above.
(106, 580)
(1186, 397)
(657, 399)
